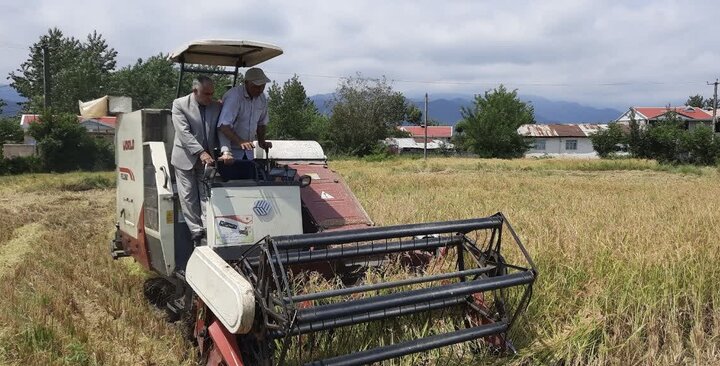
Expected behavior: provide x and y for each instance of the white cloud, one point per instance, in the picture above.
(599, 53)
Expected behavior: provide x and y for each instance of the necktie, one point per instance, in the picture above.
(202, 117)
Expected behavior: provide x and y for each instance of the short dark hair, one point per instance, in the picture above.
(201, 80)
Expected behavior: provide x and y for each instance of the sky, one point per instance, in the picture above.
(599, 53)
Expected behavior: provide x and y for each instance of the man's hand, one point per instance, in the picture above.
(247, 145)
(265, 144)
(226, 159)
(206, 158)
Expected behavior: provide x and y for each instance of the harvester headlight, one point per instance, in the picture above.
(305, 181)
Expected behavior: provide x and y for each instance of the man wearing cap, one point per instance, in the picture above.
(244, 117)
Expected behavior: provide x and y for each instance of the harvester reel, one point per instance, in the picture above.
(465, 294)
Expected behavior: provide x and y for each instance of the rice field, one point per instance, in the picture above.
(627, 252)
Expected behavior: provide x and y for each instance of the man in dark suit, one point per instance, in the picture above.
(194, 117)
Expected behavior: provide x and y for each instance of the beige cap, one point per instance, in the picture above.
(256, 76)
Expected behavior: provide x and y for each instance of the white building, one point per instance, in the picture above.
(561, 140)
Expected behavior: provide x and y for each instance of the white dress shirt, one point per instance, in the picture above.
(244, 114)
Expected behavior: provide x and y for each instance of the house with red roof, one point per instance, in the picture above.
(693, 116)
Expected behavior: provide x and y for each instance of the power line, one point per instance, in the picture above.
(14, 46)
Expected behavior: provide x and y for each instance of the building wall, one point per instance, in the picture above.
(557, 146)
(16, 150)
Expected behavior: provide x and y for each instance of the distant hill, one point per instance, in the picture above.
(12, 98)
(447, 110)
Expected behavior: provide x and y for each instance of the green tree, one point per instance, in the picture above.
(364, 112)
(696, 101)
(662, 140)
(608, 141)
(3, 104)
(63, 143)
(292, 114)
(152, 83)
(489, 127)
(10, 131)
(79, 71)
(699, 146)
(414, 115)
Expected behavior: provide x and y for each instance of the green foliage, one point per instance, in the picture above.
(293, 116)
(152, 83)
(413, 115)
(699, 146)
(79, 71)
(661, 141)
(489, 127)
(608, 141)
(104, 158)
(364, 112)
(10, 131)
(380, 153)
(699, 101)
(63, 143)
(21, 165)
(670, 141)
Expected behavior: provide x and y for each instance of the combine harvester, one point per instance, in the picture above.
(294, 271)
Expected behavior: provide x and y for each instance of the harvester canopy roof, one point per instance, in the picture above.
(221, 52)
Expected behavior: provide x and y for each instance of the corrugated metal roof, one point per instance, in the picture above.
(432, 131)
(560, 130)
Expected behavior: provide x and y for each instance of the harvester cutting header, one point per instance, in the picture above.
(292, 271)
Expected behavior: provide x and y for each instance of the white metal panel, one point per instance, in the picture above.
(292, 150)
(227, 293)
(245, 215)
(166, 219)
(129, 160)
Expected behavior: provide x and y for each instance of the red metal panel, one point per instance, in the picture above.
(137, 247)
(329, 200)
(226, 343)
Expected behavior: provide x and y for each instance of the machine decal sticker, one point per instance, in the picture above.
(262, 207)
(126, 173)
(233, 230)
(326, 196)
(128, 145)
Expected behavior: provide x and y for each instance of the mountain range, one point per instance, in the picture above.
(12, 98)
(444, 108)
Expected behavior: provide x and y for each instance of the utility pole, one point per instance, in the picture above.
(46, 76)
(715, 105)
(425, 127)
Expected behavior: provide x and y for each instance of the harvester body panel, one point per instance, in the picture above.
(129, 159)
(241, 216)
(159, 207)
(227, 293)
